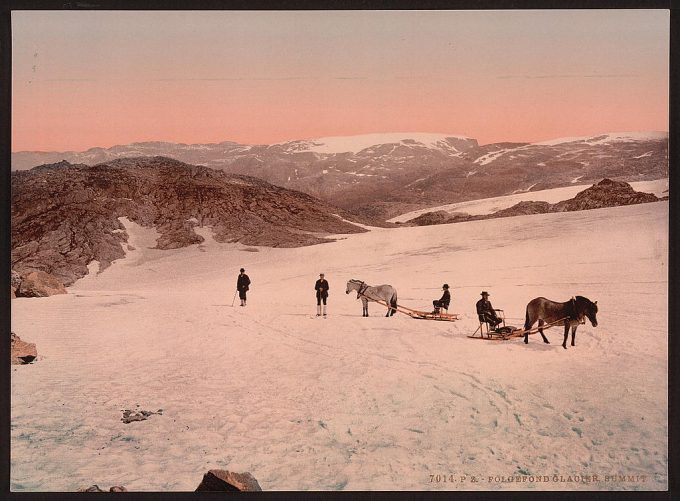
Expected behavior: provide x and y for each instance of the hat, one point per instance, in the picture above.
(241, 270)
(485, 293)
(445, 286)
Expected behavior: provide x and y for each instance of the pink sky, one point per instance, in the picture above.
(89, 78)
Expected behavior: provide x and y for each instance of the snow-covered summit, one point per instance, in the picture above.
(354, 144)
(608, 137)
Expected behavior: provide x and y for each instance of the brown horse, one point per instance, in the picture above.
(569, 314)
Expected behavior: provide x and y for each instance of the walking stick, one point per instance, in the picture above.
(232, 301)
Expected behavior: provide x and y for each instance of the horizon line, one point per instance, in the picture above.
(445, 134)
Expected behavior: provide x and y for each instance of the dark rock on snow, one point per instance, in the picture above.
(40, 284)
(606, 193)
(224, 480)
(213, 480)
(95, 488)
(430, 218)
(523, 209)
(21, 352)
(130, 416)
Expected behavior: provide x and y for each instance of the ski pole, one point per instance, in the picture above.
(232, 301)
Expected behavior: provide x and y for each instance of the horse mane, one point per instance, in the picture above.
(581, 299)
(584, 303)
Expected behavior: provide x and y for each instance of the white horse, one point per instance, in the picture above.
(385, 293)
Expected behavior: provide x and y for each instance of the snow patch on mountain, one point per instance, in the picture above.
(612, 137)
(608, 137)
(355, 144)
(524, 190)
(490, 157)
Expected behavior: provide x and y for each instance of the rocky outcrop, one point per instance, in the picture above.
(15, 281)
(606, 193)
(39, 284)
(429, 218)
(21, 352)
(213, 481)
(523, 209)
(65, 216)
(227, 481)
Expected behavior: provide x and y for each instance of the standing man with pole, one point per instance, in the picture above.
(321, 287)
(242, 285)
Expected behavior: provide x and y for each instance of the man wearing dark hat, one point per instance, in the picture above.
(486, 312)
(444, 301)
(321, 287)
(242, 285)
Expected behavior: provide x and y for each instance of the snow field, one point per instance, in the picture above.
(349, 402)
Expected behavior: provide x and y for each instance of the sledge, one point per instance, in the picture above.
(421, 315)
(424, 315)
(505, 332)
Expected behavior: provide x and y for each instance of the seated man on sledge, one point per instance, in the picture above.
(486, 312)
(443, 302)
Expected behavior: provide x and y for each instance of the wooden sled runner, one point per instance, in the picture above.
(503, 333)
(420, 315)
(423, 315)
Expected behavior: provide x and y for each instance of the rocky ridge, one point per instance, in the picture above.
(65, 216)
(606, 193)
(383, 175)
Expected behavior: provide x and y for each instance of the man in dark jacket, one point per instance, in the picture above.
(321, 288)
(486, 312)
(444, 301)
(242, 285)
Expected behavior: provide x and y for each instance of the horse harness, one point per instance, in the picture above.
(572, 315)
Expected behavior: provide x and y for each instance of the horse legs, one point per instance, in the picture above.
(540, 324)
(365, 305)
(527, 327)
(566, 335)
(573, 335)
(528, 322)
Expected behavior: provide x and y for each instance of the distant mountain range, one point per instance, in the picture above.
(383, 175)
(65, 216)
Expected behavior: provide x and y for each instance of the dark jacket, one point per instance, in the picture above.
(484, 308)
(445, 299)
(321, 288)
(242, 282)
